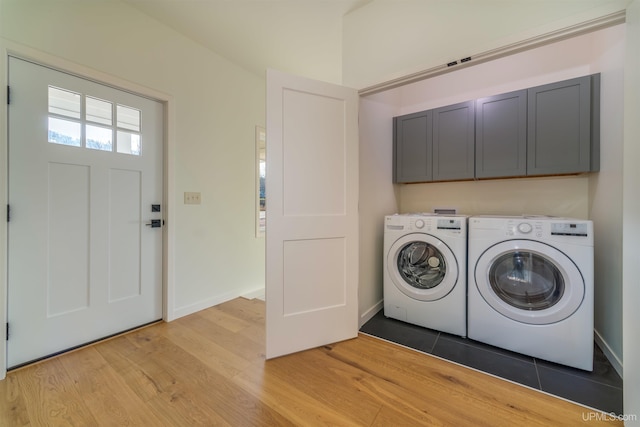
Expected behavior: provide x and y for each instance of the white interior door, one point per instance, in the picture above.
(85, 167)
(312, 214)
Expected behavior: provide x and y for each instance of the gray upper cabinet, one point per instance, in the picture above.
(501, 135)
(563, 133)
(412, 147)
(453, 142)
(552, 129)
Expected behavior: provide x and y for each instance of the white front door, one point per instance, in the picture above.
(312, 214)
(85, 169)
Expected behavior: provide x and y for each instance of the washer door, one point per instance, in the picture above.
(422, 267)
(530, 282)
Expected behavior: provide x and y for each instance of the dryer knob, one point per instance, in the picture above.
(525, 227)
(419, 223)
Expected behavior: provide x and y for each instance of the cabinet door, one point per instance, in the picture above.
(501, 135)
(412, 147)
(453, 142)
(559, 127)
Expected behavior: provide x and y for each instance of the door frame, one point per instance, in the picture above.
(8, 48)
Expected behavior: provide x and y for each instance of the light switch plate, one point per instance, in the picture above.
(191, 198)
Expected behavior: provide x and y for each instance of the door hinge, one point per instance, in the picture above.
(8, 213)
(7, 331)
(8, 95)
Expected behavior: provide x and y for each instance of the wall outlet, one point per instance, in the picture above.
(191, 198)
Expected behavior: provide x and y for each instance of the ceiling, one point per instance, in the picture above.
(256, 34)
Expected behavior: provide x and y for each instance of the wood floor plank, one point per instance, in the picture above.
(250, 310)
(105, 393)
(204, 388)
(256, 333)
(13, 410)
(474, 390)
(208, 368)
(403, 391)
(119, 354)
(206, 349)
(235, 343)
(50, 396)
(226, 320)
(387, 380)
(327, 381)
(165, 391)
(390, 416)
(290, 400)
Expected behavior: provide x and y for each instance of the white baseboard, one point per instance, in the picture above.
(367, 315)
(608, 352)
(201, 305)
(256, 293)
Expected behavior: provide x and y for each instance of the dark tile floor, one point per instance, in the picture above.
(600, 389)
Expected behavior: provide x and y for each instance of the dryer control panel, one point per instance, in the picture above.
(524, 228)
(569, 229)
(540, 229)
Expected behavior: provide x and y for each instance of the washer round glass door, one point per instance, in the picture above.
(529, 281)
(422, 267)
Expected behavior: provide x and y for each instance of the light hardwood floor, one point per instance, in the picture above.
(209, 369)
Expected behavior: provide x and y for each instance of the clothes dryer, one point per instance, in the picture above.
(425, 270)
(530, 286)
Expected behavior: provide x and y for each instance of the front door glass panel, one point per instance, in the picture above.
(526, 280)
(421, 265)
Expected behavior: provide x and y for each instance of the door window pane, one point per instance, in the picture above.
(128, 143)
(72, 114)
(99, 138)
(64, 103)
(64, 132)
(128, 118)
(99, 111)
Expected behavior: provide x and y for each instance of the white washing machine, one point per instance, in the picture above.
(425, 270)
(530, 287)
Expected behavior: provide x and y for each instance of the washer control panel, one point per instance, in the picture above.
(426, 224)
(525, 228)
(449, 224)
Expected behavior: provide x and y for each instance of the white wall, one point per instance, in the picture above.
(631, 217)
(377, 195)
(385, 40)
(214, 107)
(605, 195)
(584, 196)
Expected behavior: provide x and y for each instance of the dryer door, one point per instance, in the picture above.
(422, 267)
(530, 282)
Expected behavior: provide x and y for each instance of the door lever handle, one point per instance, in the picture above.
(155, 223)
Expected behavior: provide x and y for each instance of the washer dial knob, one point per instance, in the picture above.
(419, 223)
(525, 227)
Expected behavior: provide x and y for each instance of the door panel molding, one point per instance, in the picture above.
(312, 214)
